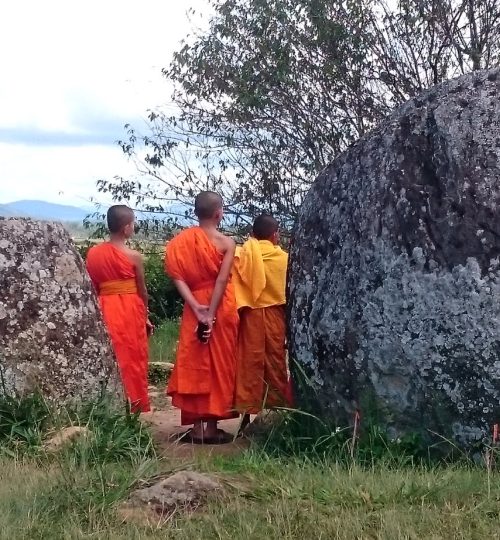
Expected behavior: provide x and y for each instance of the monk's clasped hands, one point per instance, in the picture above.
(201, 313)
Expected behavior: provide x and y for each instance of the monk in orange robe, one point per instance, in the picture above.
(199, 260)
(260, 268)
(117, 273)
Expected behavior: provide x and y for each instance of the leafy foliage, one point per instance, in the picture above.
(164, 300)
(83, 248)
(275, 89)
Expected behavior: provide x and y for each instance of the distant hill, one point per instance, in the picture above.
(72, 214)
(44, 210)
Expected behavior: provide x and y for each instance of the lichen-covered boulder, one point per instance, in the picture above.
(395, 275)
(52, 337)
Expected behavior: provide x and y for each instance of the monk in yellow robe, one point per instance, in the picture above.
(199, 260)
(117, 273)
(260, 279)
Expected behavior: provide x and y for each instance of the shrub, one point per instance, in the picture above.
(83, 248)
(164, 301)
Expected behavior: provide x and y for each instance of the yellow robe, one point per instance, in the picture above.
(260, 280)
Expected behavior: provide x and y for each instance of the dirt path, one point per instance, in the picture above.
(165, 424)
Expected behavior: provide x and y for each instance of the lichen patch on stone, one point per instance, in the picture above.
(52, 337)
(394, 271)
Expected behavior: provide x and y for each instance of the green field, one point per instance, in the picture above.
(265, 499)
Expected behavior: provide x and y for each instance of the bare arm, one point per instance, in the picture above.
(186, 294)
(199, 310)
(222, 279)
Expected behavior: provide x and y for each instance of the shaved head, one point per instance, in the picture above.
(206, 204)
(264, 227)
(118, 217)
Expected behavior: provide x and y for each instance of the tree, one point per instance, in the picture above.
(275, 89)
(425, 42)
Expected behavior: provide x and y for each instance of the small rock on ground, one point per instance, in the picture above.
(263, 423)
(167, 366)
(65, 436)
(185, 489)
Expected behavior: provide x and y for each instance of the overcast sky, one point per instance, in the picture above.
(72, 74)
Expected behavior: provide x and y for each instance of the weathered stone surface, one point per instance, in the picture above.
(182, 489)
(51, 334)
(263, 424)
(395, 276)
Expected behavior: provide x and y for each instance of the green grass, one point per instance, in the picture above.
(298, 498)
(115, 434)
(56, 500)
(310, 488)
(22, 422)
(266, 499)
(61, 495)
(163, 344)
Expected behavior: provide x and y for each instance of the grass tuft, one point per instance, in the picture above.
(116, 435)
(23, 422)
(301, 434)
(163, 344)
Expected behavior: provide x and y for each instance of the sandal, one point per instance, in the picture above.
(220, 438)
(225, 434)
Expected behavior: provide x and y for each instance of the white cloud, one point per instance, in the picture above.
(80, 70)
(59, 174)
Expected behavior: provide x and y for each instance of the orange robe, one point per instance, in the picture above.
(203, 378)
(124, 313)
(262, 379)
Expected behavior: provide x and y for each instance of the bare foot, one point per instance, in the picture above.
(210, 429)
(210, 434)
(202, 431)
